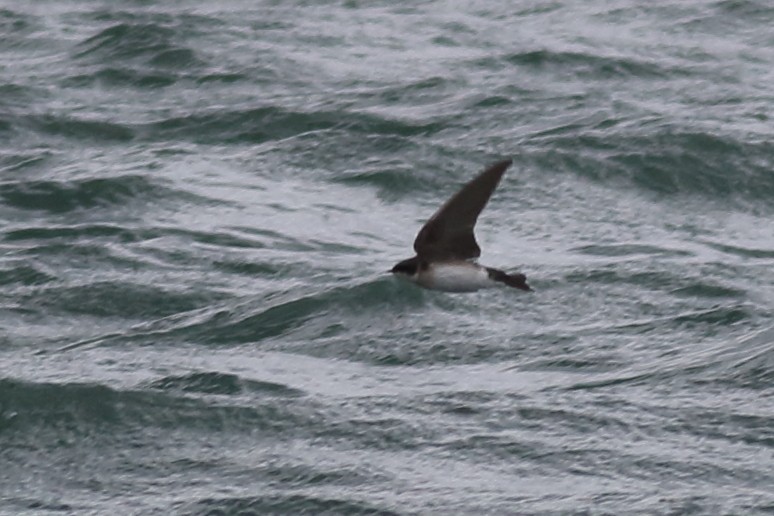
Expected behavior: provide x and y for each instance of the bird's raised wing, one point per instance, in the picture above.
(448, 235)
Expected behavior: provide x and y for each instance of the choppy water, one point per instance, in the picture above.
(199, 201)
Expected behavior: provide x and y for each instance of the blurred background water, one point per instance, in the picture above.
(199, 201)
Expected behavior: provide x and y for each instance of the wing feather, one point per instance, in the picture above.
(448, 234)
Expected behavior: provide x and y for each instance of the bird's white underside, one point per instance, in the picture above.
(458, 277)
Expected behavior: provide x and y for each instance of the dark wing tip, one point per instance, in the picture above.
(500, 166)
(493, 173)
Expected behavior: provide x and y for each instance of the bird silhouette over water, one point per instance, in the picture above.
(446, 248)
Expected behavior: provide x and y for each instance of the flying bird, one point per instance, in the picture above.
(446, 246)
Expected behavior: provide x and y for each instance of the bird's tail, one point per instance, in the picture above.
(512, 280)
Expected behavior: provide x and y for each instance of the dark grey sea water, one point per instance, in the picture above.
(198, 201)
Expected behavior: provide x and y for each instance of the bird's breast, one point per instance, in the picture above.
(454, 277)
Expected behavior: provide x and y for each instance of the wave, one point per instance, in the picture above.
(23, 273)
(76, 128)
(34, 409)
(284, 504)
(204, 317)
(626, 250)
(221, 383)
(80, 194)
(141, 53)
(588, 66)
(625, 265)
(252, 125)
(730, 14)
(19, 97)
(118, 299)
(393, 181)
(258, 125)
(14, 25)
(283, 314)
(664, 160)
(43, 414)
(122, 77)
(747, 363)
(152, 42)
(13, 162)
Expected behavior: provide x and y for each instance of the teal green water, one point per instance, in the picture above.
(199, 203)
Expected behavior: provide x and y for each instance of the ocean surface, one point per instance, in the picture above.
(199, 202)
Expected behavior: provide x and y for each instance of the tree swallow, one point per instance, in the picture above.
(446, 246)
